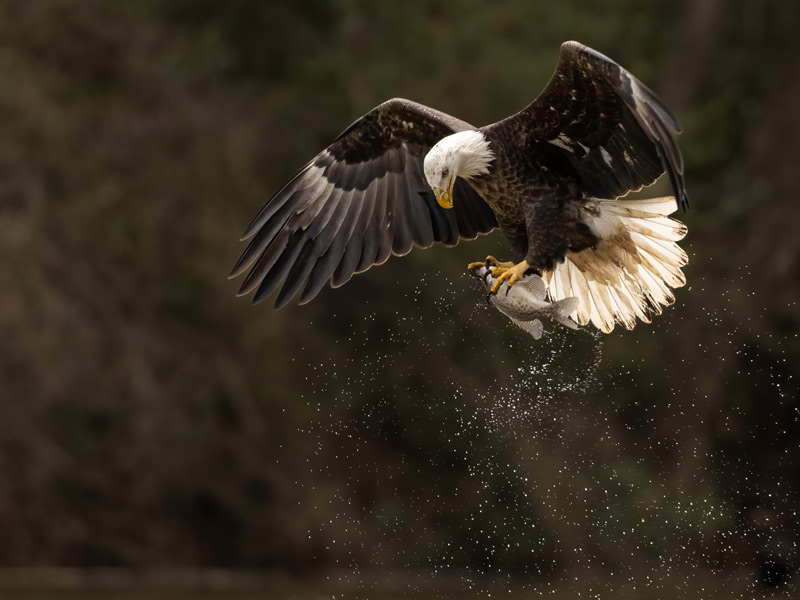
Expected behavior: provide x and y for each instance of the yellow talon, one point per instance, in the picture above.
(490, 261)
(508, 274)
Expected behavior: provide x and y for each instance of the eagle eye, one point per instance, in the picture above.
(445, 173)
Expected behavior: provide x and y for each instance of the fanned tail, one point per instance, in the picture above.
(630, 273)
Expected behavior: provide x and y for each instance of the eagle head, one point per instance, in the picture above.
(465, 154)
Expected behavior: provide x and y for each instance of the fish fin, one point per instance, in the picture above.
(534, 284)
(535, 327)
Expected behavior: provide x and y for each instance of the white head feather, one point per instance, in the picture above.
(465, 154)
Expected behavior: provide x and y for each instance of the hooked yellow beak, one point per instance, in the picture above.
(444, 197)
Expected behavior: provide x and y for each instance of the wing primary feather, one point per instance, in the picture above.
(340, 242)
(325, 266)
(657, 106)
(279, 199)
(441, 221)
(466, 220)
(419, 214)
(320, 235)
(313, 207)
(263, 238)
(369, 249)
(673, 163)
(265, 262)
(320, 275)
(297, 275)
(284, 261)
(288, 235)
(386, 227)
(423, 229)
(352, 253)
(401, 222)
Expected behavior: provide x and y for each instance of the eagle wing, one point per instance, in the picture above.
(360, 200)
(613, 130)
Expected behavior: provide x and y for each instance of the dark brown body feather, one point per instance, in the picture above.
(595, 131)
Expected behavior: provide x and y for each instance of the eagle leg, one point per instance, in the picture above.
(510, 274)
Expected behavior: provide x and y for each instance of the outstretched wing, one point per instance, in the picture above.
(360, 200)
(609, 126)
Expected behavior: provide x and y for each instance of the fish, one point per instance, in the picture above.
(525, 302)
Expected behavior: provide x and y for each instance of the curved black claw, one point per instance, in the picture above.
(488, 271)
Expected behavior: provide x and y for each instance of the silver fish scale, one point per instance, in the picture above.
(525, 302)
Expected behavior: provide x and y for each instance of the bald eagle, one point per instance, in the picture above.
(552, 177)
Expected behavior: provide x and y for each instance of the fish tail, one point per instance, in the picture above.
(562, 309)
(630, 272)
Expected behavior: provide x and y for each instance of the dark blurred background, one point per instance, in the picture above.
(148, 418)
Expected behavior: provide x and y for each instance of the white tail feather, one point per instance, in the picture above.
(629, 274)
